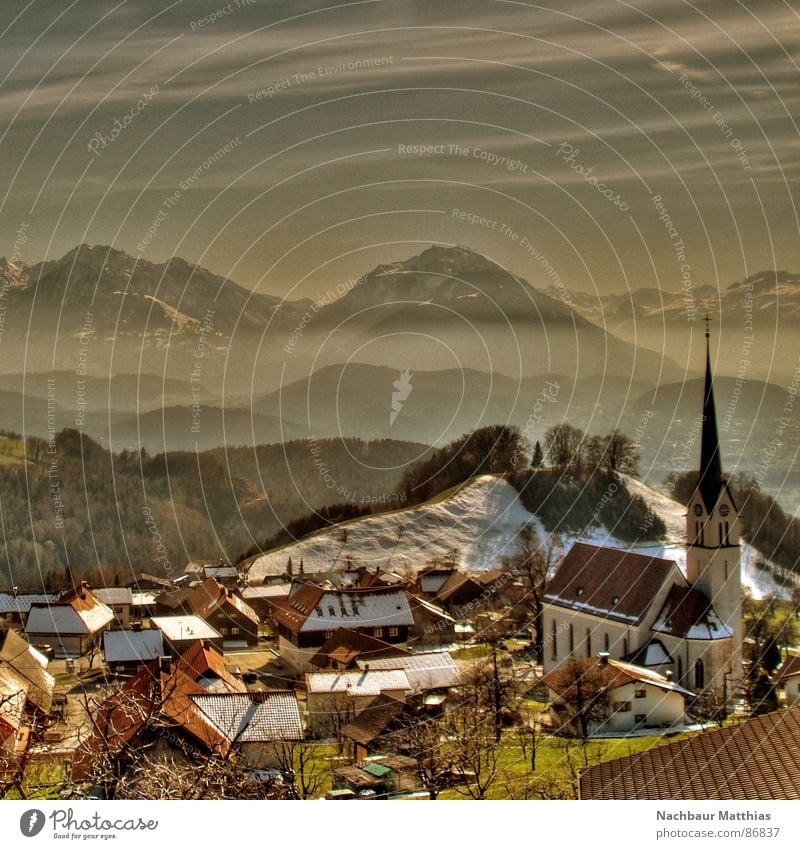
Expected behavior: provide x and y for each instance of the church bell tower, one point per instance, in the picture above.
(712, 534)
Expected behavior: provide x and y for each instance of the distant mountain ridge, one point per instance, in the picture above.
(762, 310)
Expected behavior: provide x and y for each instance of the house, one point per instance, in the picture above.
(72, 625)
(15, 606)
(126, 651)
(258, 725)
(120, 600)
(335, 698)
(154, 710)
(637, 697)
(621, 602)
(432, 626)
(226, 575)
(143, 605)
(204, 663)
(367, 732)
(425, 672)
(787, 679)
(259, 598)
(345, 647)
(233, 617)
(753, 760)
(181, 632)
(24, 671)
(311, 614)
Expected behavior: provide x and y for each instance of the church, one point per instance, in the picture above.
(642, 609)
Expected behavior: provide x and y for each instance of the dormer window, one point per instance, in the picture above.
(698, 510)
(331, 611)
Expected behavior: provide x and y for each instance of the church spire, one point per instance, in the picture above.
(710, 462)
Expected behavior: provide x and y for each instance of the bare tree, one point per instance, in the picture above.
(564, 444)
(299, 763)
(211, 777)
(532, 565)
(475, 757)
(613, 453)
(583, 688)
(424, 739)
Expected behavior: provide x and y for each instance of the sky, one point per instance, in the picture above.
(295, 145)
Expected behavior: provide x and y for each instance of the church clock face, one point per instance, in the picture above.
(698, 510)
(724, 510)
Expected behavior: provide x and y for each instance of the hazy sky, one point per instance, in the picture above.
(320, 106)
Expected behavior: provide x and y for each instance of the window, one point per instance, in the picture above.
(640, 717)
(331, 611)
(235, 632)
(606, 642)
(640, 694)
(571, 639)
(394, 632)
(379, 632)
(624, 646)
(554, 639)
(699, 674)
(355, 610)
(224, 632)
(588, 642)
(622, 707)
(328, 634)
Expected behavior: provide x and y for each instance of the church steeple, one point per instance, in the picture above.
(710, 461)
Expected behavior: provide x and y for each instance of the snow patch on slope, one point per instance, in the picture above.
(478, 525)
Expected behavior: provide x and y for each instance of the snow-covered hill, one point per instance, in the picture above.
(480, 523)
(476, 526)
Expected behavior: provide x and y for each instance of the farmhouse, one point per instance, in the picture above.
(311, 614)
(72, 625)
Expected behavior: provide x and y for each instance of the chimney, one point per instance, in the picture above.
(603, 655)
(366, 667)
(164, 664)
(669, 675)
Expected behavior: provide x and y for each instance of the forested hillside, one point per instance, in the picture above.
(70, 504)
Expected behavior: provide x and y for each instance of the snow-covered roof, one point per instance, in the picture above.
(345, 609)
(21, 603)
(114, 595)
(688, 613)
(184, 628)
(123, 646)
(78, 612)
(360, 683)
(253, 717)
(144, 599)
(428, 671)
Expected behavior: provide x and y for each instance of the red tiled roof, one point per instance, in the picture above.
(346, 646)
(756, 759)
(616, 674)
(210, 596)
(202, 659)
(609, 582)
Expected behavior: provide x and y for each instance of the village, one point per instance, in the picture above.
(594, 672)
